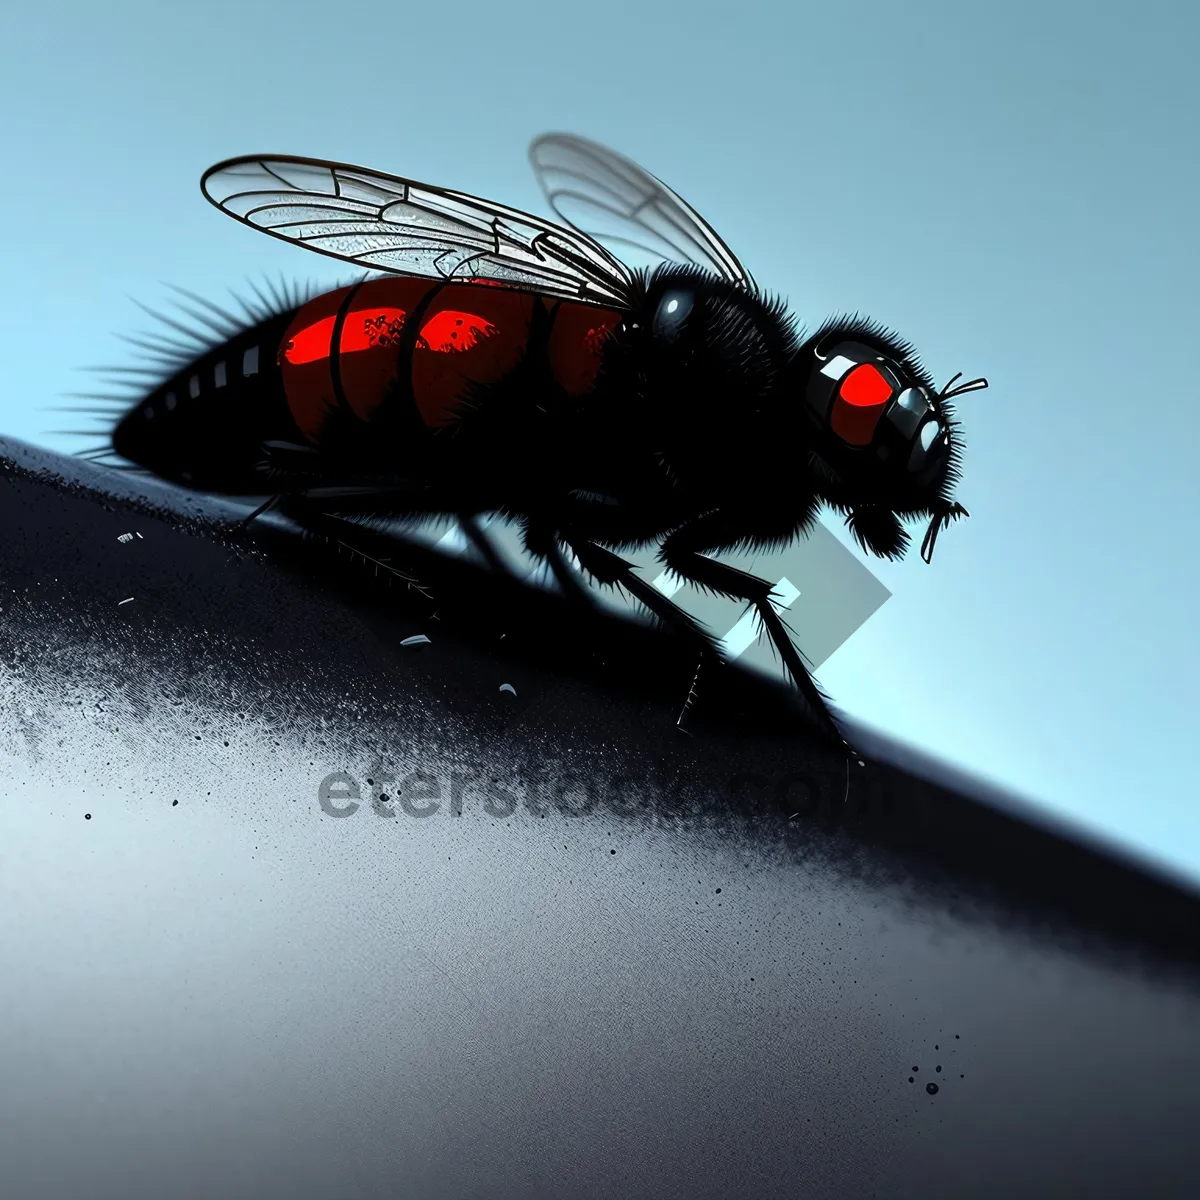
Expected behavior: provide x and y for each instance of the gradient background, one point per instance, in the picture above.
(1013, 187)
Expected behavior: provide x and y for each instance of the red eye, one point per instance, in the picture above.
(865, 387)
(859, 405)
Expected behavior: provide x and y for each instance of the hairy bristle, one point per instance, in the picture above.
(854, 325)
(196, 327)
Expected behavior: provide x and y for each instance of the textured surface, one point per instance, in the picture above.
(614, 959)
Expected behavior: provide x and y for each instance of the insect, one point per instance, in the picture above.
(491, 361)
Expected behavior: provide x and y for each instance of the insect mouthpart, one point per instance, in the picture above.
(943, 514)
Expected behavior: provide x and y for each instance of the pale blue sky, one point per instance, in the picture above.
(1012, 186)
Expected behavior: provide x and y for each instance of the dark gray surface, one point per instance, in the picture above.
(240, 995)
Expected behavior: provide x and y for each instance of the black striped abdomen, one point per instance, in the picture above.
(327, 372)
(205, 427)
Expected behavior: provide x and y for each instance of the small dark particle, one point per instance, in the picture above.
(931, 1088)
(910, 1079)
(938, 1067)
(87, 816)
(174, 803)
(718, 891)
(914, 1070)
(612, 852)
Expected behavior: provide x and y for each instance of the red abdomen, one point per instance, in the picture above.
(347, 349)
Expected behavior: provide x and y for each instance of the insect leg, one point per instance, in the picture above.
(691, 696)
(288, 468)
(611, 570)
(322, 512)
(323, 507)
(542, 541)
(592, 524)
(362, 545)
(265, 506)
(478, 538)
(683, 552)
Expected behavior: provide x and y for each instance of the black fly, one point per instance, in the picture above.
(497, 362)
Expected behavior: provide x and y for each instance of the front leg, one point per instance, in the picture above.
(593, 530)
(683, 552)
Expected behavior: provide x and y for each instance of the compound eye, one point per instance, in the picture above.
(863, 395)
(931, 442)
(910, 409)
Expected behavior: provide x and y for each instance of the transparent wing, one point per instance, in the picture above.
(388, 223)
(608, 197)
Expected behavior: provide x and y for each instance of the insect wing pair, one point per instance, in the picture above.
(392, 224)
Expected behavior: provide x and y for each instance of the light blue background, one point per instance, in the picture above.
(1012, 186)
